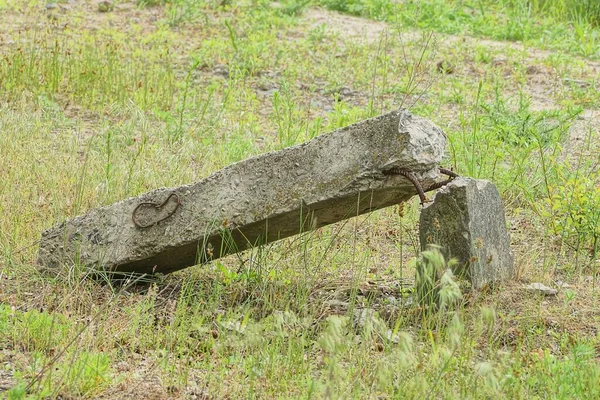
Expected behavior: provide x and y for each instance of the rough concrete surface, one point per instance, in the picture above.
(467, 219)
(333, 177)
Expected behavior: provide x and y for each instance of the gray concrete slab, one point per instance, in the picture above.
(333, 177)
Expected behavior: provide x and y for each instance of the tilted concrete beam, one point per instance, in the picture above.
(333, 177)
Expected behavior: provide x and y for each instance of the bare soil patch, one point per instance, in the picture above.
(347, 26)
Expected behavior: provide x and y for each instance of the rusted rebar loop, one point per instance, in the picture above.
(420, 190)
(157, 206)
(448, 172)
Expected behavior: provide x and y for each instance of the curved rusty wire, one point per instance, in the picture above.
(137, 223)
(418, 186)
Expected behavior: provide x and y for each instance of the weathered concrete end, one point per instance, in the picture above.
(467, 220)
(259, 200)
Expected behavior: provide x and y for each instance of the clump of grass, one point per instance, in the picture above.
(573, 10)
(502, 139)
(89, 71)
(570, 206)
(43, 335)
(434, 281)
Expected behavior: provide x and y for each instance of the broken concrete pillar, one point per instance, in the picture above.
(256, 201)
(467, 220)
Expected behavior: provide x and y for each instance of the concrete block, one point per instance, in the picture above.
(333, 177)
(467, 219)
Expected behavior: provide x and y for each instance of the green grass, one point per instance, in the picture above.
(570, 26)
(159, 94)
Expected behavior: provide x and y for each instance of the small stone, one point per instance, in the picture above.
(264, 86)
(172, 390)
(563, 285)
(105, 6)
(392, 337)
(541, 288)
(235, 326)
(499, 61)
(51, 6)
(340, 93)
(221, 70)
(122, 366)
(392, 300)
(467, 220)
(577, 82)
(532, 70)
(345, 92)
(338, 304)
(363, 315)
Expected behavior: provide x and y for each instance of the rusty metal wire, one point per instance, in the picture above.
(137, 223)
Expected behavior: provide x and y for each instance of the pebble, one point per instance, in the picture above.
(541, 288)
(105, 6)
